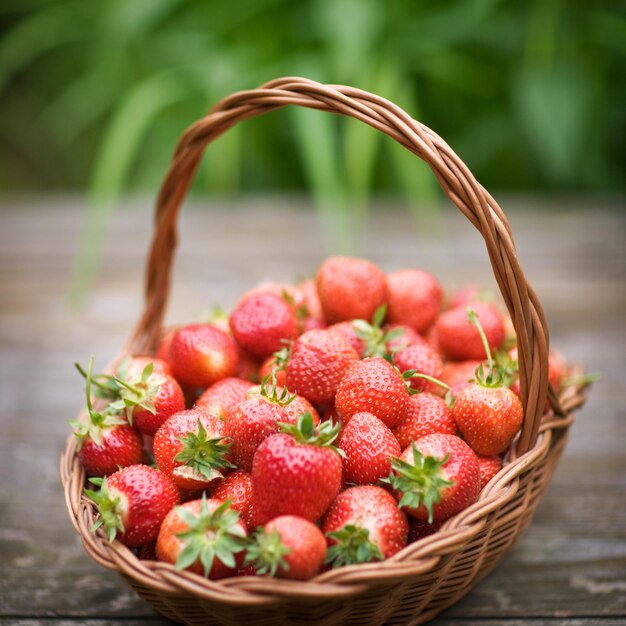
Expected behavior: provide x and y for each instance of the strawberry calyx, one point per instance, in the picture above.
(279, 359)
(210, 535)
(124, 393)
(271, 392)
(265, 553)
(205, 455)
(420, 482)
(99, 421)
(305, 432)
(352, 545)
(109, 506)
(375, 337)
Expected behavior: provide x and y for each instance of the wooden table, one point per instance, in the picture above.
(570, 566)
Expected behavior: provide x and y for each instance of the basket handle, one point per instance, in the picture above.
(455, 179)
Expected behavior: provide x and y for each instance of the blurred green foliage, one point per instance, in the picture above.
(95, 94)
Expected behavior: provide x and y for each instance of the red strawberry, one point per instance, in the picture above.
(247, 366)
(201, 354)
(135, 365)
(293, 404)
(418, 529)
(163, 349)
(460, 340)
(371, 339)
(306, 296)
(364, 524)
(489, 466)
(223, 396)
(108, 444)
(427, 414)
(275, 364)
(192, 449)
(375, 386)
(468, 296)
(347, 330)
(555, 370)
(455, 372)
(263, 322)
(132, 503)
(368, 445)
(318, 361)
(436, 477)
(203, 536)
(252, 421)
(488, 417)
(236, 487)
(487, 413)
(296, 472)
(421, 359)
(414, 298)
(288, 547)
(350, 288)
(105, 440)
(400, 336)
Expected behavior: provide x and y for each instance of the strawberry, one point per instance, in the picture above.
(436, 477)
(203, 536)
(253, 420)
(347, 330)
(367, 445)
(247, 366)
(489, 466)
(350, 288)
(296, 472)
(418, 529)
(400, 336)
(147, 397)
(318, 361)
(555, 370)
(306, 296)
(414, 298)
(364, 524)
(275, 364)
(375, 386)
(133, 366)
(371, 339)
(487, 413)
(427, 414)
(288, 547)
(163, 349)
(236, 487)
(105, 440)
(488, 417)
(460, 340)
(132, 503)
(223, 396)
(192, 449)
(263, 322)
(201, 354)
(420, 359)
(468, 296)
(455, 372)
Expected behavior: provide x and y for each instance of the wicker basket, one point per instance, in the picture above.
(432, 573)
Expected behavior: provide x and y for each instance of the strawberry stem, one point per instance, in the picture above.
(414, 374)
(473, 318)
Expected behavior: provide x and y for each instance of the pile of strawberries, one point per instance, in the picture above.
(319, 425)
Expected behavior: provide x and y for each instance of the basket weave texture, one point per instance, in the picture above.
(431, 574)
